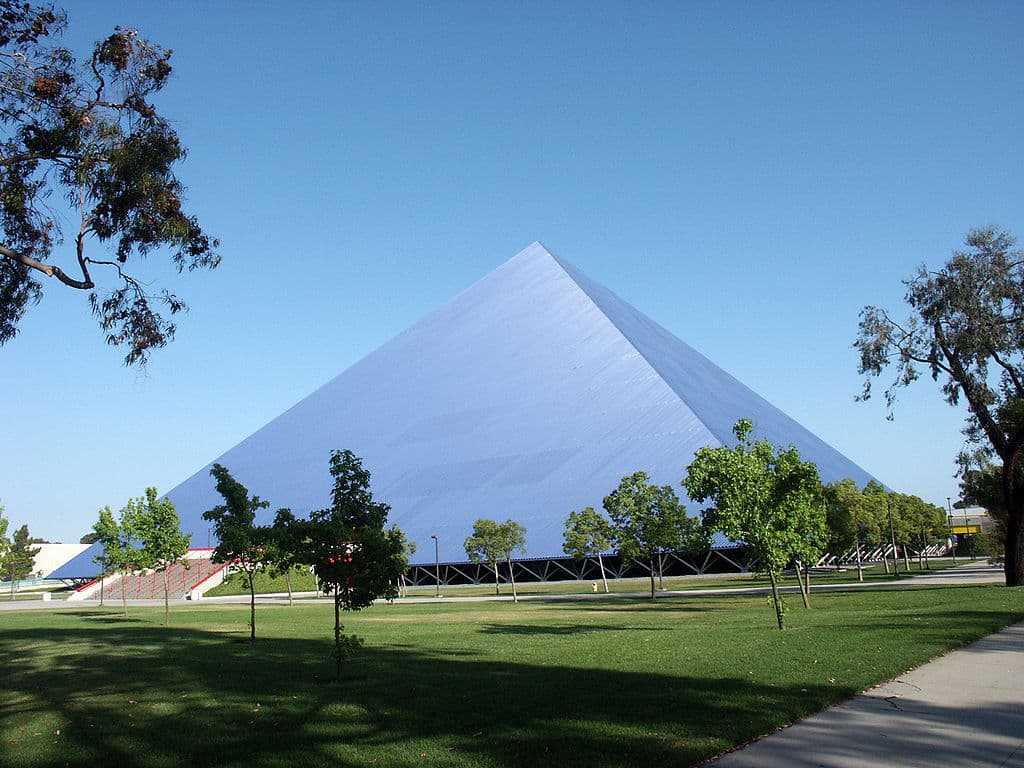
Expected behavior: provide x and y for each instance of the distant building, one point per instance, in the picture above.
(528, 395)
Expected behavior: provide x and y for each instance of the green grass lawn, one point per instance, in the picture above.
(612, 683)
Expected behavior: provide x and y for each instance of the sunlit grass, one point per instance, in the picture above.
(613, 682)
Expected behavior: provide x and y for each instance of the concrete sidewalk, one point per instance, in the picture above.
(963, 709)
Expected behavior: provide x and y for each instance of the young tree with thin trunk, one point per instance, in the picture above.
(493, 542)
(588, 534)
(284, 546)
(121, 549)
(239, 540)
(354, 554)
(965, 328)
(761, 495)
(163, 544)
(648, 520)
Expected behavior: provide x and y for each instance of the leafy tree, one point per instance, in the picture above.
(121, 548)
(17, 562)
(89, 133)
(352, 551)
(5, 543)
(410, 549)
(239, 540)
(760, 494)
(648, 520)
(493, 542)
(983, 487)
(158, 528)
(844, 515)
(588, 534)
(965, 328)
(284, 546)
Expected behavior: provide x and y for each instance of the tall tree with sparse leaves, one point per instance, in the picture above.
(89, 133)
(965, 328)
(239, 540)
(355, 555)
(588, 534)
(760, 495)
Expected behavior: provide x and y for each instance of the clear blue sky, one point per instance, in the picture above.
(747, 174)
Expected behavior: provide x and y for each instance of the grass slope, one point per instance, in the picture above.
(610, 683)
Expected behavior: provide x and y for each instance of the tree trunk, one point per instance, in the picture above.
(776, 598)
(252, 607)
(288, 581)
(167, 598)
(1013, 565)
(600, 563)
(860, 567)
(497, 588)
(906, 557)
(512, 578)
(650, 560)
(661, 571)
(337, 631)
(124, 593)
(800, 581)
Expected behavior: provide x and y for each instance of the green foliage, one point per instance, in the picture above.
(984, 487)
(16, 563)
(239, 540)
(587, 533)
(88, 132)
(353, 553)
(763, 495)
(5, 543)
(156, 524)
(121, 547)
(965, 327)
(845, 515)
(648, 520)
(494, 542)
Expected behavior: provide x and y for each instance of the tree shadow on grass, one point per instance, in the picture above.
(565, 629)
(144, 696)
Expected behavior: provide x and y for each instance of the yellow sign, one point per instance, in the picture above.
(966, 529)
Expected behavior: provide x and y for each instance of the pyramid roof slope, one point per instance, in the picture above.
(526, 396)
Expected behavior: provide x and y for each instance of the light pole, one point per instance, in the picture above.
(437, 564)
(949, 506)
(892, 537)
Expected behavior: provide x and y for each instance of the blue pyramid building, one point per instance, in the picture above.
(528, 395)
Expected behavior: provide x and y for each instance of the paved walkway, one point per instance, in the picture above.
(963, 709)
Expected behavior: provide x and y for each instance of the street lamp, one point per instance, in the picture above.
(892, 536)
(949, 506)
(437, 564)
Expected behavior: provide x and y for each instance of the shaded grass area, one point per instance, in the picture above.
(611, 683)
